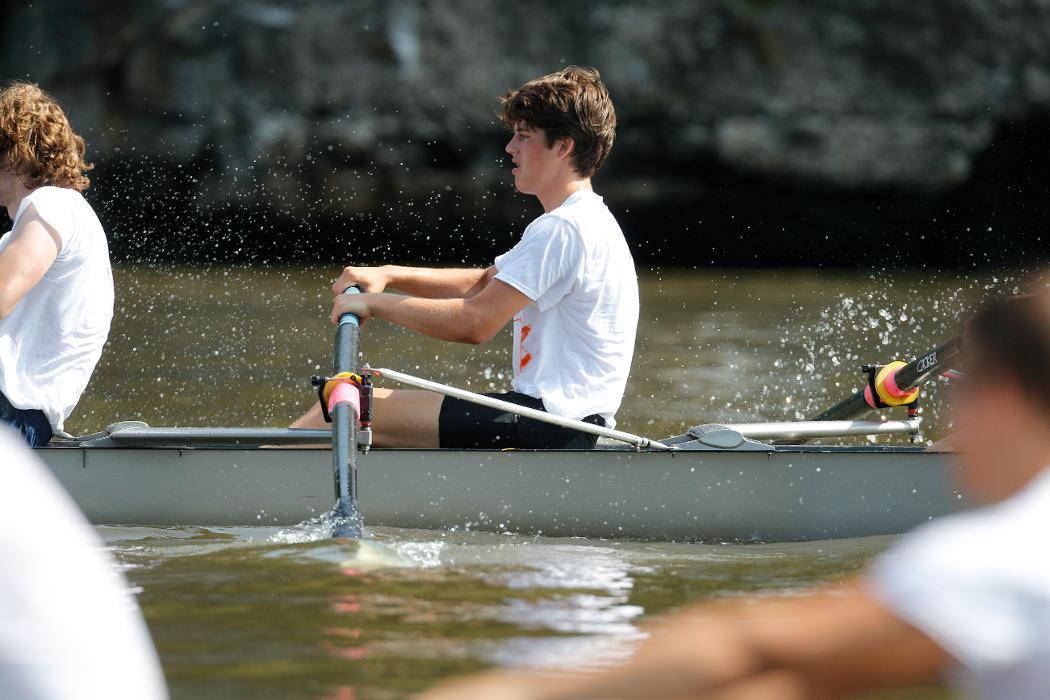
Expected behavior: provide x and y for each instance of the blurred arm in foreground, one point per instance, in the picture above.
(831, 643)
(964, 599)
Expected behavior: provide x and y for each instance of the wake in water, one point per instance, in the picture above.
(364, 554)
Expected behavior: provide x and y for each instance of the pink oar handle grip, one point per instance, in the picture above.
(345, 392)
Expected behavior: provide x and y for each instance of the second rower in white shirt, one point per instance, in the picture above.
(569, 286)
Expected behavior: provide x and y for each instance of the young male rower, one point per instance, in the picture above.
(569, 286)
(964, 599)
(56, 286)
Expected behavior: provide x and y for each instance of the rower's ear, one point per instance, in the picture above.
(565, 147)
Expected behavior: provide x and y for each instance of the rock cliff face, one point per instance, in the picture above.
(381, 113)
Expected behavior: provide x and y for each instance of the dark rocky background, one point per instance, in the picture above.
(831, 132)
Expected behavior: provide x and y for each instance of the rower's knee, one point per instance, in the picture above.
(399, 418)
(405, 418)
(314, 418)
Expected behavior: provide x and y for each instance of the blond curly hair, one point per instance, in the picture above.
(37, 141)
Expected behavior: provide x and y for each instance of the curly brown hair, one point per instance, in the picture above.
(37, 141)
(572, 103)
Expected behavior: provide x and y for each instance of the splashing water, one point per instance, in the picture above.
(740, 346)
(229, 345)
(874, 325)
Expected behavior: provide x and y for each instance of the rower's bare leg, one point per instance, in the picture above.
(400, 418)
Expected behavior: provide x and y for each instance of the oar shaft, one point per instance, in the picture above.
(344, 452)
(525, 411)
(812, 430)
(344, 431)
(908, 377)
(931, 364)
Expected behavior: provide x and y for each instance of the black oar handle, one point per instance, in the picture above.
(347, 339)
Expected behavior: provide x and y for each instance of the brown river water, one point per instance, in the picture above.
(268, 613)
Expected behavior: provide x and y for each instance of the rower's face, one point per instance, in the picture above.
(992, 416)
(534, 162)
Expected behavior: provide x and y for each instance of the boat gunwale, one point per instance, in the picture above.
(778, 449)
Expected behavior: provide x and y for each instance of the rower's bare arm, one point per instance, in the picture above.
(429, 283)
(831, 644)
(26, 259)
(473, 320)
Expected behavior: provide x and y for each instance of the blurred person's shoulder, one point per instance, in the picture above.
(1027, 511)
(973, 543)
(978, 584)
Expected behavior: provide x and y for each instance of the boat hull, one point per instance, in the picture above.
(788, 494)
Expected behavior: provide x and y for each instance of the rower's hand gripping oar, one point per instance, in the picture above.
(342, 397)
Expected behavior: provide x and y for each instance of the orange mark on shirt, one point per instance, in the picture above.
(524, 356)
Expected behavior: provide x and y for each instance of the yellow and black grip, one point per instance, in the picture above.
(883, 391)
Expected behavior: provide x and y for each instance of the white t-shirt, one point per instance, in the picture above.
(51, 342)
(574, 344)
(71, 628)
(978, 584)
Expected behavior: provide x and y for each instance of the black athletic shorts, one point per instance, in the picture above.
(31, 423)
(465, 425)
